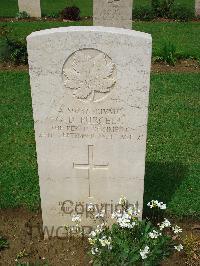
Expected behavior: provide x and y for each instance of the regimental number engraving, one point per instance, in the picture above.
(90, 75)
(113, 1)
(91, 167)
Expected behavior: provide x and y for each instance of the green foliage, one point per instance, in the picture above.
(168, 9)
(162, 8)
(168, 54)
(52, 15)
(178, 12)
(185, 36)
(15, 50)
(70, 13)
(181, 13)
(3, 243)
(22, 15)
(143, 13)
(131, 241)
(126, 246)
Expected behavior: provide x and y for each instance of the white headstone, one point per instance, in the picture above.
(32, 7)
(113, 13)
(90, 90)
(197, 7)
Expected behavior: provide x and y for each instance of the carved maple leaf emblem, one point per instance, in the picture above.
(89, 72)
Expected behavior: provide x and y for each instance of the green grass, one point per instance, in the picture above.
(19, 180)
(185, 36)
(3, 243)
(172, 169)
(172, 152)
(9, 8)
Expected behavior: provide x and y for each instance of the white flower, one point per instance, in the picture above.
(153, 204)
(156, 203)
(122, 201)
(132, 211)
(150, 204)
(94, 251)
(105, 242)
(154, 234)
(90, 207)
(102, 241)
(144, 252)
(162, 206)
(100, 228)
(110, 247)
(100, 214)
(113, 216)
(76, 218)
(93, 234)
(176, 229)
(92, 241)
(125, 219)
(179, 247)
(165, 224)
(116, 215)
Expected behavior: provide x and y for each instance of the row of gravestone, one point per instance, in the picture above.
(106, 12)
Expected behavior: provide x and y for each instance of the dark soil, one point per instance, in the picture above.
(195, 19)
(58, 19)
(189, 66)
(15, 226)
(29, 19)
(4, 19)
(12, 67)
(181, 66)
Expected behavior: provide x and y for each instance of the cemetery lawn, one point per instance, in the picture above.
(184, 36)
(10, 8)
(172, 162)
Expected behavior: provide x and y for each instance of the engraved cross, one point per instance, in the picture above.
(90, 166)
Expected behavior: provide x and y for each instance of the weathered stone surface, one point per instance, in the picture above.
(90, 90)
(113, 13)
(32, 7)
(197, 7)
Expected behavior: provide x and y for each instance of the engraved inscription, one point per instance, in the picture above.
(113, 1)
(90, 166)
(113, 13)
(90, 123)
(90, 74)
